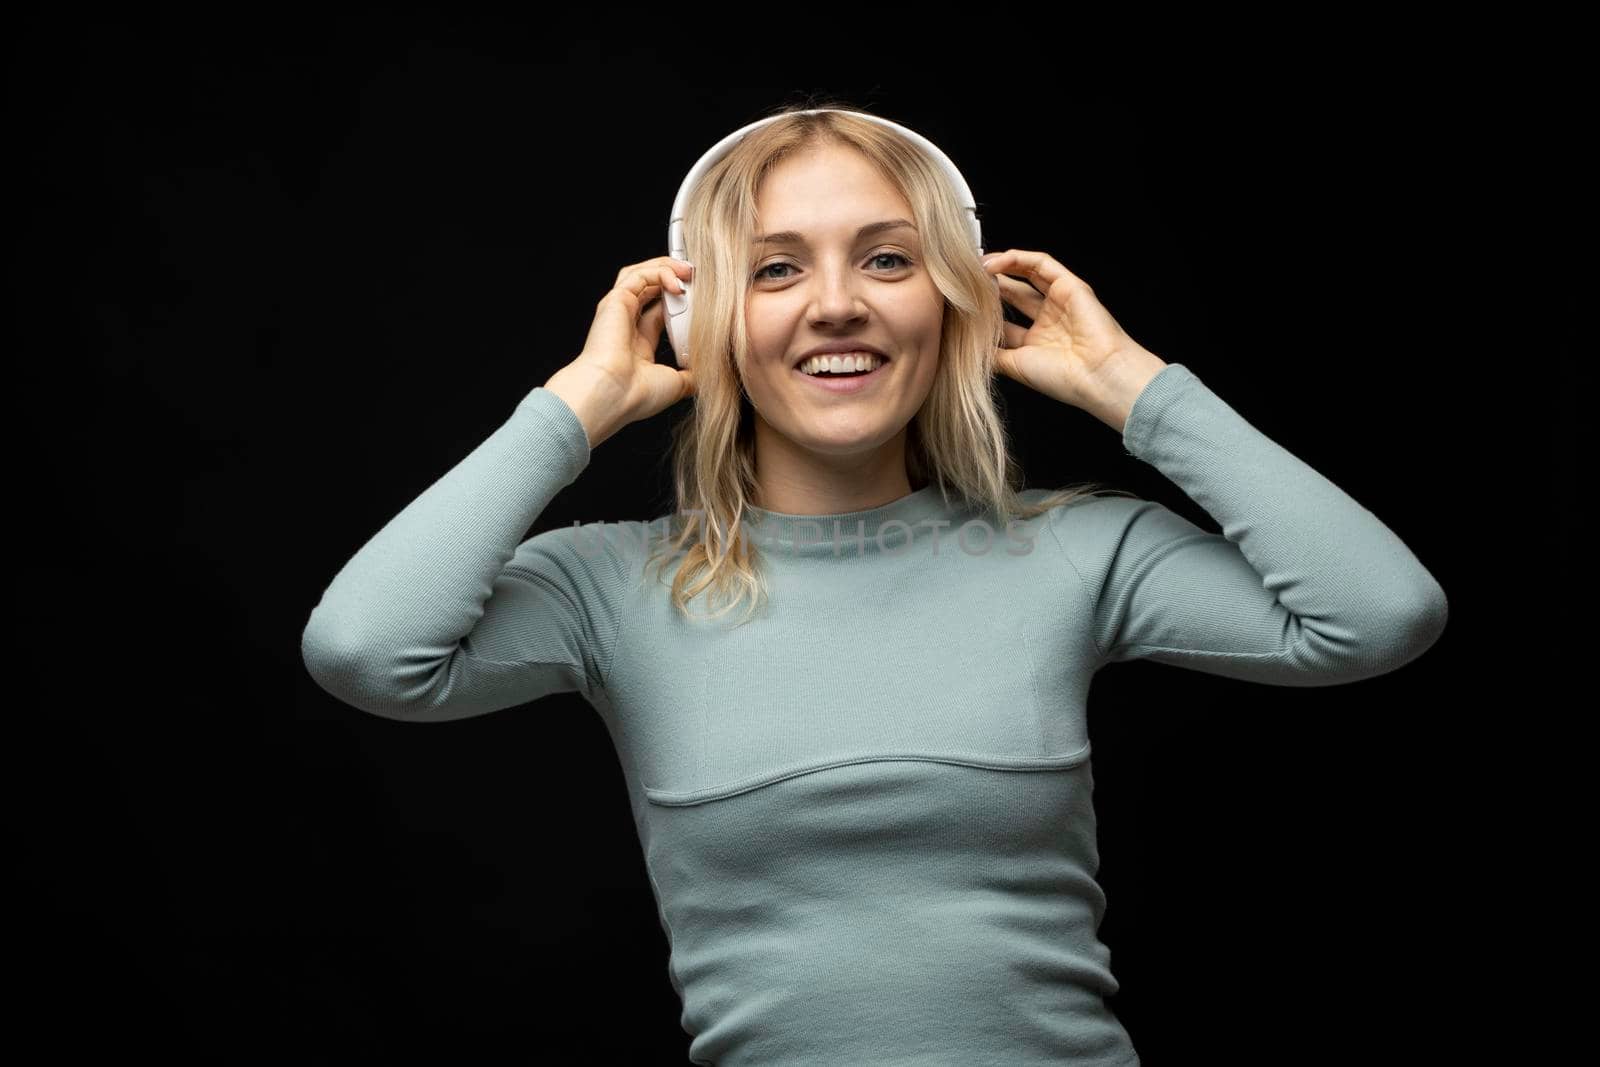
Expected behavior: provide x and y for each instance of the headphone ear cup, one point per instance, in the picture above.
(678, 324)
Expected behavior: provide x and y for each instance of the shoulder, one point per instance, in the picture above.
(1103, 535)
(614, 552)
(1093, 527)
(1087, 514)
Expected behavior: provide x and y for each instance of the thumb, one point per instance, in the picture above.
(1005, 361)
(654, 320)
(668, 385)
(1012, 362)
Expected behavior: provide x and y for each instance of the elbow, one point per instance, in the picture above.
(1428, 611)
(1410, 633)
(1428, 623)
(345, 670)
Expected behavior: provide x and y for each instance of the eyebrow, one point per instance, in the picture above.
(794, 237)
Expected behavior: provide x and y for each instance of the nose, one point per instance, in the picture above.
(835, 298)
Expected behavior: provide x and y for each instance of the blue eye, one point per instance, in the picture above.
(762, 273)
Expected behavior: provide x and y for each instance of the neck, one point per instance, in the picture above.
(794, 481)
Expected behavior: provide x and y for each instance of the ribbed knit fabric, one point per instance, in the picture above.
(866, 813)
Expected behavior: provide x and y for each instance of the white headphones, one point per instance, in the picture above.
(678, 306)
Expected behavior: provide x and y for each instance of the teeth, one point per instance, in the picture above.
(842, 363)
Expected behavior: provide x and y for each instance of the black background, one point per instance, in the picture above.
(275, 274)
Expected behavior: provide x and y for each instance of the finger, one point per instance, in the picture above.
(1022, 296)
(678, 267)
(1040, 269)
(647, 283)
(651, 302)
(634, 306)
(1005, 362)
(659, 279)
(652, 322)
(1013, 334)
(997, 263)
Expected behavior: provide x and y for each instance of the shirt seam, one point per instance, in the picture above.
(534, 578)
(1204, 652)
(1153, 555)
(1083, 585)
(1033, 685)
(635, 590)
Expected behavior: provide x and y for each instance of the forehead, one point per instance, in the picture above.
(828, 193)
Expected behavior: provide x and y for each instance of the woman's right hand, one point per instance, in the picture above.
(616, 380)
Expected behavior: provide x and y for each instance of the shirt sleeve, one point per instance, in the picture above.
(447, 612)
(1303, 586)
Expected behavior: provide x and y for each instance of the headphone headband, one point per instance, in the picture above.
(678, 306)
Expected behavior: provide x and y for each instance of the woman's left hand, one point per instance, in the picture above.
(1075, 351)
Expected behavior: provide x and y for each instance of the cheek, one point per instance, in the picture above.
(923, 315)
(766, 326)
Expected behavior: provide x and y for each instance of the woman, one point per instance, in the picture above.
(865, 805)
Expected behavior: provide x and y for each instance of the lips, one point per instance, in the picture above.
(841, 349)
(846, 383)
(848, 360)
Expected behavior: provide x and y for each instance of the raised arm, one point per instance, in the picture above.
(1303, 586)
(447, 612)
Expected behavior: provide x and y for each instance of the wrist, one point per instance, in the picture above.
(1118, 383)
(589, 399)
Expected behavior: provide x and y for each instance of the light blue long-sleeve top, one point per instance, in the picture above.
(866, 814)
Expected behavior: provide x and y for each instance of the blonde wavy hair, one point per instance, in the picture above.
(957, 440)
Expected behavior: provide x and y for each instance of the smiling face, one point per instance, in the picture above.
(834, 283)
